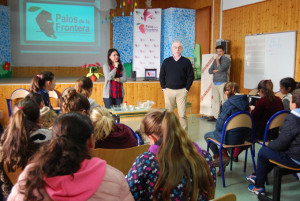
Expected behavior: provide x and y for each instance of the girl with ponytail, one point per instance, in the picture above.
(64, 170)
(18, 142)
(108, 134)
(75, 102)
(43, 83)
(174, 168)
(265, 107)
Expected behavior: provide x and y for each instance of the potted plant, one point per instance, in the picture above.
(93, 68)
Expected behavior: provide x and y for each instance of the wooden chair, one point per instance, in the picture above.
(278, 172)
(16, 94)
(53, 94)
(227, 197)
(240, 119)
(279, 94)
(12, 176)
(275, 121)
(253, 92)
(122, 159)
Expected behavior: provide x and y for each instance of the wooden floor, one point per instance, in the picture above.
(134, 91)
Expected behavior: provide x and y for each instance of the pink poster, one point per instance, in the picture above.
(146, 40)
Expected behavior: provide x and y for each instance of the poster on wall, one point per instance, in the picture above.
(146, 42)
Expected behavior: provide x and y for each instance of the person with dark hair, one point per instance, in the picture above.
(287, 86)
(234, 103)
(264, 108)
(176, 78)
(43, 83)
(38, 98)
(64, 170)
(84, 85)
(75, 102)
(19, 140)
(174, 168)
(115, 76)
(284, 150)
(219, 69)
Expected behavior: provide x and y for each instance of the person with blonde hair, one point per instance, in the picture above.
(174, 168)
(75, 102)
(84, 85)
(108, 134)
(234, 103)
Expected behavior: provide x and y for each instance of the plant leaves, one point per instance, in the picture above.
(33, 8)
(89, 74)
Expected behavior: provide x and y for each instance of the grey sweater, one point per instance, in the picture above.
(109, 75)
(221, 75)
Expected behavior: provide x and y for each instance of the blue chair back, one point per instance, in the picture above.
(275, 121)
(18, 93)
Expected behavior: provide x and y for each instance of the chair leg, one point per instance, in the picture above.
(253, 161)
(231, 158)
(222, 165)
(207, 149)
(277, 184)
(245, 163)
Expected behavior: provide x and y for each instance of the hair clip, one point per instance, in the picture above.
(75, 92)
(38, 75)
(163, 114)
(21, 108)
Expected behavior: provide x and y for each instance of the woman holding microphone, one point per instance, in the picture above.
(115, 76)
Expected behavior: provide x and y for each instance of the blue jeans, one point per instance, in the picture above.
(264, 166)
(214, 148)
(108, 102)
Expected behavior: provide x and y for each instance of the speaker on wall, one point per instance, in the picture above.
(225, 44)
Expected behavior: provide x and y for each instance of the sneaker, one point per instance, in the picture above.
(211, 119)
(251, 178)
(256, 190)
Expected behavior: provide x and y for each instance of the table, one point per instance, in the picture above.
(130, 113)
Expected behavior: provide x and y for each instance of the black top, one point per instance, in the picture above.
(176, 74)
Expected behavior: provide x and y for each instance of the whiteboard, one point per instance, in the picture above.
(229, 4)
(269, 56)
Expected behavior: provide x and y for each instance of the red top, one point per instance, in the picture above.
(122, 137)
(264, 109)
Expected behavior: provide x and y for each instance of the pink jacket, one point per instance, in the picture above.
(95, 180)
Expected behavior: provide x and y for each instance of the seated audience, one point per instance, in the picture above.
(75, 102)
(84, 85)
(43, 83)
(108, 134)
(20, 140)
(285, 149)
(287, 86)
(174, 168)
(234, 103)
(265, 107)
(64, 170)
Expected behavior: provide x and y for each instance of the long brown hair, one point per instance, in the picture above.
(266, 86)
(83, 86)
(110, 51)
(232, 88)
(62, 156)
(17, 147)
(38, 82)
(177, 157)
(75, 102)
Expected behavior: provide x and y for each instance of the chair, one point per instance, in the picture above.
(275, 121)
(53, 94)
(253, 92)
(122, 159)
(278, 172)
(16, 94)
(279, 94)
(12, 176)
(227, 197)
(237, 120)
